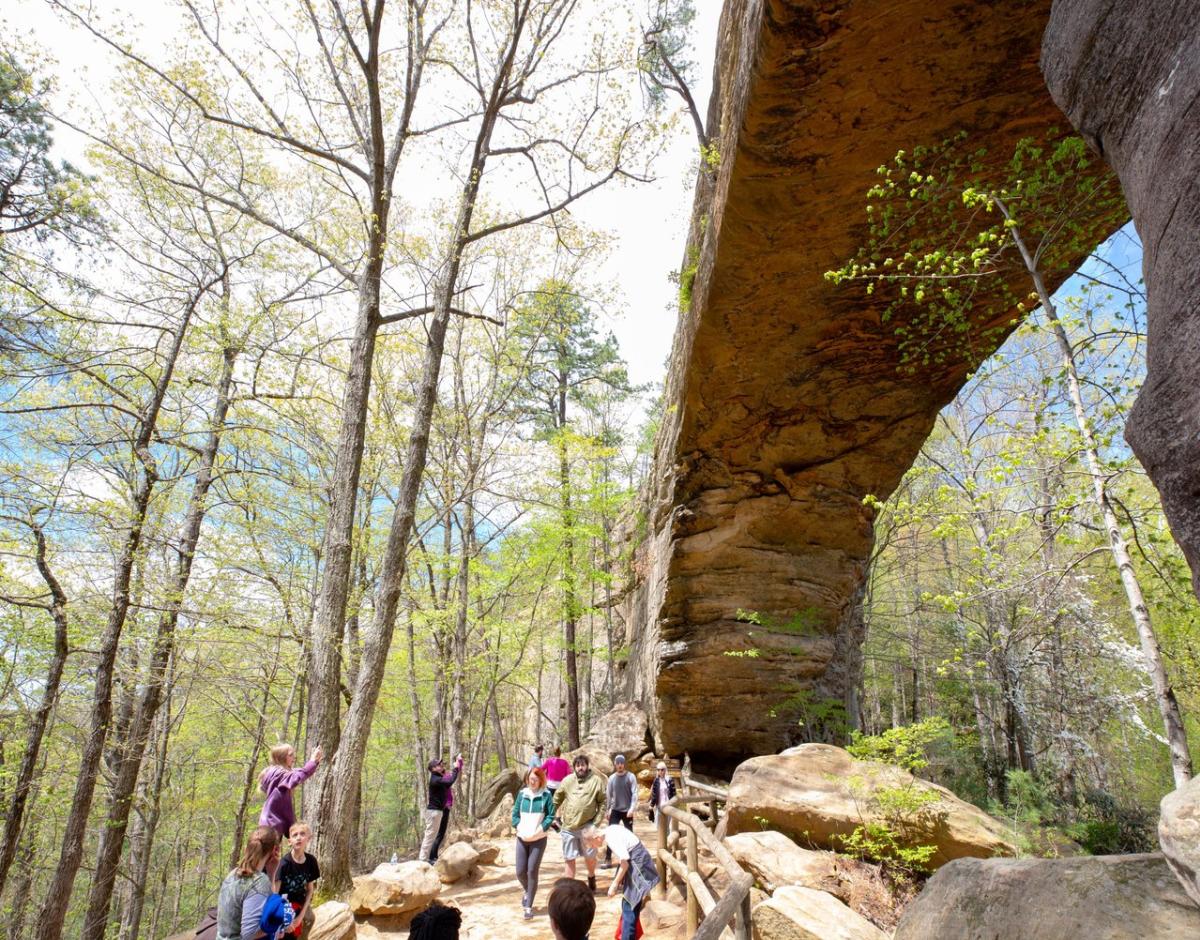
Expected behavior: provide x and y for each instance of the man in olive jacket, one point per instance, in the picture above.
(578, 803)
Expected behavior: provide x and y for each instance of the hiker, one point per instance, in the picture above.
(533, 812)
(557, 769)
(579, 802)
(246, 906)
(622, 799)
(662, 790)
(536, 760)
(437, 808)
(297, 876)
(572, 909)
(437, 922)
(277, 781)
(636, 875)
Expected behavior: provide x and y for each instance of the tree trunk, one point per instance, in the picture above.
(570, 660)
(129, 760)
(1168, 705)
(145, 827)
(54, 910)
(41, 718)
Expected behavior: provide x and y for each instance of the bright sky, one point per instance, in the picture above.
(647, 222)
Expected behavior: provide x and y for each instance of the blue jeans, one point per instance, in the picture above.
(629, 918)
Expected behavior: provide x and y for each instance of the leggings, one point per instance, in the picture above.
(529, 860)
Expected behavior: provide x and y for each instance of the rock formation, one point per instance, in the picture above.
(816, 793)
(785, 405)
(332, 920)
(1103, 897)
(1128, 77)
(457, 862)
(1179, 835)
(505, 783)
(624, 729)
(395, 889)
(797, 913)
(775, 861)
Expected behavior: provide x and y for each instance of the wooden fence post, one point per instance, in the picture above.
(693, 900)
(742, 926)
(661, 819)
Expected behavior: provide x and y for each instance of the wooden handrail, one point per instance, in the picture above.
(734, 905)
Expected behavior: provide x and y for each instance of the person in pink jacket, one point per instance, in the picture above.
(277, 781)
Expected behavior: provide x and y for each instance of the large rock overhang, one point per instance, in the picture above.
(786, 403)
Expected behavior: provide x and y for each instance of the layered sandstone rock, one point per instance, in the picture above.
(1179, 835)
(818, 793)
(775, 861)
(395, 889)
(1104, 897)
(797, 913)
(786, 403)
(1128, 76)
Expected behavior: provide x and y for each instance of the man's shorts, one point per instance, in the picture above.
(572, 845)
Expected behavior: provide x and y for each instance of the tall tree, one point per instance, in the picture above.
(568, 364)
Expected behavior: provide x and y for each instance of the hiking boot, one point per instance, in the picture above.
(592, 883)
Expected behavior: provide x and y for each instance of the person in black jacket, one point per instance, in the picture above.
(661, 790)
(437, 811)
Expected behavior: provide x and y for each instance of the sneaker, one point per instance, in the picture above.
(592, 883)
(529, 913)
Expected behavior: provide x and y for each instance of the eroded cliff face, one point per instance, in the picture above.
(786, 404)
(1128, 77)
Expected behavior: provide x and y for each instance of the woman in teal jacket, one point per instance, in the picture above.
(533, 812)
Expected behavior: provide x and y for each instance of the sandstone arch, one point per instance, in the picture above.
(784, 405)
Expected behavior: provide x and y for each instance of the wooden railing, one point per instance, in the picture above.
(708, 916)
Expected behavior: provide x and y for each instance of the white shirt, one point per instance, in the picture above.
(621, 841)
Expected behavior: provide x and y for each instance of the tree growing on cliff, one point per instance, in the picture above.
(940, 238)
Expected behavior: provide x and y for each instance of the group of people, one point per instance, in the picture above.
(269, 893)
(574, 804)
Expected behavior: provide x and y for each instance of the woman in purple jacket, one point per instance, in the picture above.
(277, 781)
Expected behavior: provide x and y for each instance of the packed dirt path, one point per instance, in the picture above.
(491, 901)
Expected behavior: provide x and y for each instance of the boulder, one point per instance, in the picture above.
(624, 729)
(460, 835)
(598, 758)
(456, 862)
(505, 783)
(662, 917)
(488, 852)
(818, 792)
(499, 823)
(1102, 897)
(798, 913)
(395, 889)
(1179, 835)
(369, 932)
(332, 920)
(775, 860)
